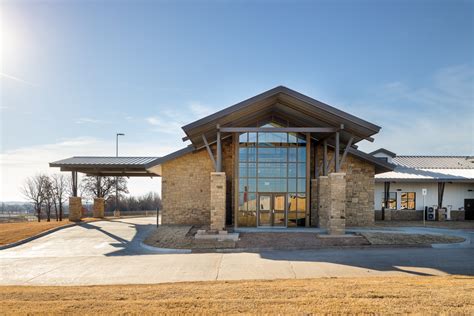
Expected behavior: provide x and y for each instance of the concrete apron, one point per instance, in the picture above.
(109, 252)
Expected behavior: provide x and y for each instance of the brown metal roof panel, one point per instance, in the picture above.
(104, 161)
(280, 92)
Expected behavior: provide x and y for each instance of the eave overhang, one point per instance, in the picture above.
(282, 104)
(111, 166)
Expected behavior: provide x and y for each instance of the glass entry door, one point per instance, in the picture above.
(272, 209)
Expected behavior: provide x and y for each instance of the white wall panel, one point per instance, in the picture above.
(454, 193)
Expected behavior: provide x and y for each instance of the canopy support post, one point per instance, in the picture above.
(325, 157)
(219, 150)
(74, 183)
(336, 154)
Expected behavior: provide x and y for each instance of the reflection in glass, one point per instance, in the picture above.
(271, 185)
(272, 154)
(266, 139)
(252, 170)
(291, 184)
(301, 185)
(276, 170)
(271, 164)
(292, 170)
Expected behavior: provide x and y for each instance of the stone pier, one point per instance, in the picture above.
(98, 208)
(314, 203)
(75, 208)
(332, 203)
(323, 201)
(218, 199)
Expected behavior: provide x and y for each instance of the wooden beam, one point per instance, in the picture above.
(209, 151)
(346, 150)
(279, 129)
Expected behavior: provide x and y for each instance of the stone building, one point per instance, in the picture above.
(278, 159)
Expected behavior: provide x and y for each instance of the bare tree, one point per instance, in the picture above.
(61, 187)
(34, 191)
(103, 187)
(48, 197)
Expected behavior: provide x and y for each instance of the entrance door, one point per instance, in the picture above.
(272, 209)
(469, 209)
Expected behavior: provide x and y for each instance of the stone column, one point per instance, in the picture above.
(75, 208)
(337, 208)
(332, 203)
(99, 207)
(218, 197)
(314, 203)
(323, 201)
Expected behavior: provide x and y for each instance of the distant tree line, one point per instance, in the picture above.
(147, 202)
(48, 193)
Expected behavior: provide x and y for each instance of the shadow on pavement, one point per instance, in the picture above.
(126, 247)
(416, 261)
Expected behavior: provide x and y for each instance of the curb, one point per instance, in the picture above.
(42, 234)
(46, 232)
(164, 250)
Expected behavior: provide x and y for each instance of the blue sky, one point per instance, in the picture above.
(75, 72)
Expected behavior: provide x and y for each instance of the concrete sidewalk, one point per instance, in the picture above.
(109, 252)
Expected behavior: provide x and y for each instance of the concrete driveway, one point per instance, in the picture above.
(109, 252)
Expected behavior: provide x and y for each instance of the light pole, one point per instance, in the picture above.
(117, 211)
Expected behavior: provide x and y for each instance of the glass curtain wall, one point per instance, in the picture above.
(271, 163)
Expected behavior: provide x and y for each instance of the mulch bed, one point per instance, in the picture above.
(296, 240)
(377, 238)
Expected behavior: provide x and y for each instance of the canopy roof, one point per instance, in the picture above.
(110, 166)
(284, 105)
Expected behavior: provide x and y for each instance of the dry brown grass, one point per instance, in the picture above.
(391, 295)
(12, 232)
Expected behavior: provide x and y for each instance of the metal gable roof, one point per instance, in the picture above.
(430, 168)
(383, 151)
(284, 102)
(105, 161)
(435, 162)
(110, 166)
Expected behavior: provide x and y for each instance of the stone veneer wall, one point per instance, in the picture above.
(186, 194)
(186, 188)
(314, 203)
(323, 202)
(360, 189)
(218, 200)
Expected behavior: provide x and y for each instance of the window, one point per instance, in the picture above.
(272, 163)
(408, 201)
(392, 201)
